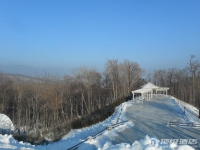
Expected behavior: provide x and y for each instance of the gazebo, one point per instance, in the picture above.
(149, 90)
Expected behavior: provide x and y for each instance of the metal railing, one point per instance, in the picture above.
(184, 110)
(97, 134)
(190, 124)
(106, 128)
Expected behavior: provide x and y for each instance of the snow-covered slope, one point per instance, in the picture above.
(191, 112)
(7, 142)
(74, 136)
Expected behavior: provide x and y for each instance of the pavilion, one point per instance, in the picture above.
(149, 90)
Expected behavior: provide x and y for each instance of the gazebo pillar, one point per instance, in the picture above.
(147, 95)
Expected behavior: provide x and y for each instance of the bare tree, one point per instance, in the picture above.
(149, 77)
(159, 77)
(131, 72)
(194, 66)
(112, 69)
(6, 92)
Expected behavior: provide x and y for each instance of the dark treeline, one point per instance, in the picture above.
(183, 83)
(44, 105)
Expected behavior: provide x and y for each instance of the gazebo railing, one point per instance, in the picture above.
(146, 97)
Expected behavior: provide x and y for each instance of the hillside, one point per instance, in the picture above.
(149, 121)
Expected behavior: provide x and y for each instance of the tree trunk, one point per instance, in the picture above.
(199, 112)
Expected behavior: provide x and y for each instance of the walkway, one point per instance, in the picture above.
(151, 118)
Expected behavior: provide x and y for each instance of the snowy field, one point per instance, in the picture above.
(103, 141)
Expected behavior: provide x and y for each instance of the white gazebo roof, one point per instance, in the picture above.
(149, 86)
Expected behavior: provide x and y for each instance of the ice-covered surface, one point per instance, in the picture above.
(148, 118)
(5, 122)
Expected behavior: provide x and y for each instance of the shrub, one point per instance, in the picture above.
(96, 116)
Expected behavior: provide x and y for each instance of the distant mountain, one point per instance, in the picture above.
(18, 69)
(23, 78)
(18, 78)
(34, 71)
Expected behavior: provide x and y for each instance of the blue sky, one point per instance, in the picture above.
(58, 36)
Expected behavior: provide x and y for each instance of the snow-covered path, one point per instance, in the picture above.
(152, 117)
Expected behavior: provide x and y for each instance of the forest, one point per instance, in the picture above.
(47, 106)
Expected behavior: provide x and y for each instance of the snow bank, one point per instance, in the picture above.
(5, 122)
(8, 142)
(106, 137)
(191, 112)
(144, 145)
(76, 136)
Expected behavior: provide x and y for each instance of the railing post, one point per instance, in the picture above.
(184, 109)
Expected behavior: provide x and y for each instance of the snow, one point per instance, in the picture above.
(8, 142)
(191, 112)
(150, 86)
(75, 136)
(103, 141)
(5, 122)
(144, 144)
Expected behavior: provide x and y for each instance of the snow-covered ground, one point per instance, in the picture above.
(101, 142)
(191, 112)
